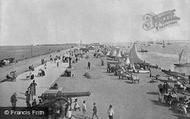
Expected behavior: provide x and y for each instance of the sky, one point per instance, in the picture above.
(26, 22)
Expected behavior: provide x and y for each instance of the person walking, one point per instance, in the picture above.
(29, 89)
(13, 100)
(32, 89)
(76, 105)
(69, 113)
(94, 111)
(102, 62)
(34, 84)
(89, 65)
(57, 61)
(84, 109)
(76, 59)
(27, 99)
(150, 72)
(110, 112)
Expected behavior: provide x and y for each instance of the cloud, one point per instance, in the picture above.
(60, 21)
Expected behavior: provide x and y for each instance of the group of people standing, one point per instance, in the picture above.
(83, 108)
(30, 93)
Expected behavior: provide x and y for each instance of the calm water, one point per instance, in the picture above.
(166, 57)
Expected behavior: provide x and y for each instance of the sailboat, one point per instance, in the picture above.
(143, 50)
(168, 43)
(182, 64)
(134, 56)
(135, 59)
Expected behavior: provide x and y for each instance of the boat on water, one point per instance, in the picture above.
(148, 45)
(159, 43)
(168, 43)
(169, 72)
(174, 74)
(143, 50)
(150, 42)
(182, 64)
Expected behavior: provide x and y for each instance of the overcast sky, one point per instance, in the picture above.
(26, 22)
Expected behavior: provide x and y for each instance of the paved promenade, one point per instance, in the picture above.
(21, 84)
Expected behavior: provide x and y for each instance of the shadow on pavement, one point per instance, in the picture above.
(158, 103)
(129, 82)
(152, 93)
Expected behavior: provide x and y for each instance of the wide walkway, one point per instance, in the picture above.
(130, 101)
(21, 84)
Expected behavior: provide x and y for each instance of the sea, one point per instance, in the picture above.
(166, 57)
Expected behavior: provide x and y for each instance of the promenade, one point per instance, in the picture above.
(21, 84)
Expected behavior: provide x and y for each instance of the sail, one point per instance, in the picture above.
(123, 52)
(118, 53)
(127, 60)
(180, 56)
(188, 58)
(113, 53)
(133, 56)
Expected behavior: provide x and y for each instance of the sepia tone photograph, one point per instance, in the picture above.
(95, 59)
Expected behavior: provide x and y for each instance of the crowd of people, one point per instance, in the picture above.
(174, 97)
(29, 94)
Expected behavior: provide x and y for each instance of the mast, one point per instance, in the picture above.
(180, 55)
